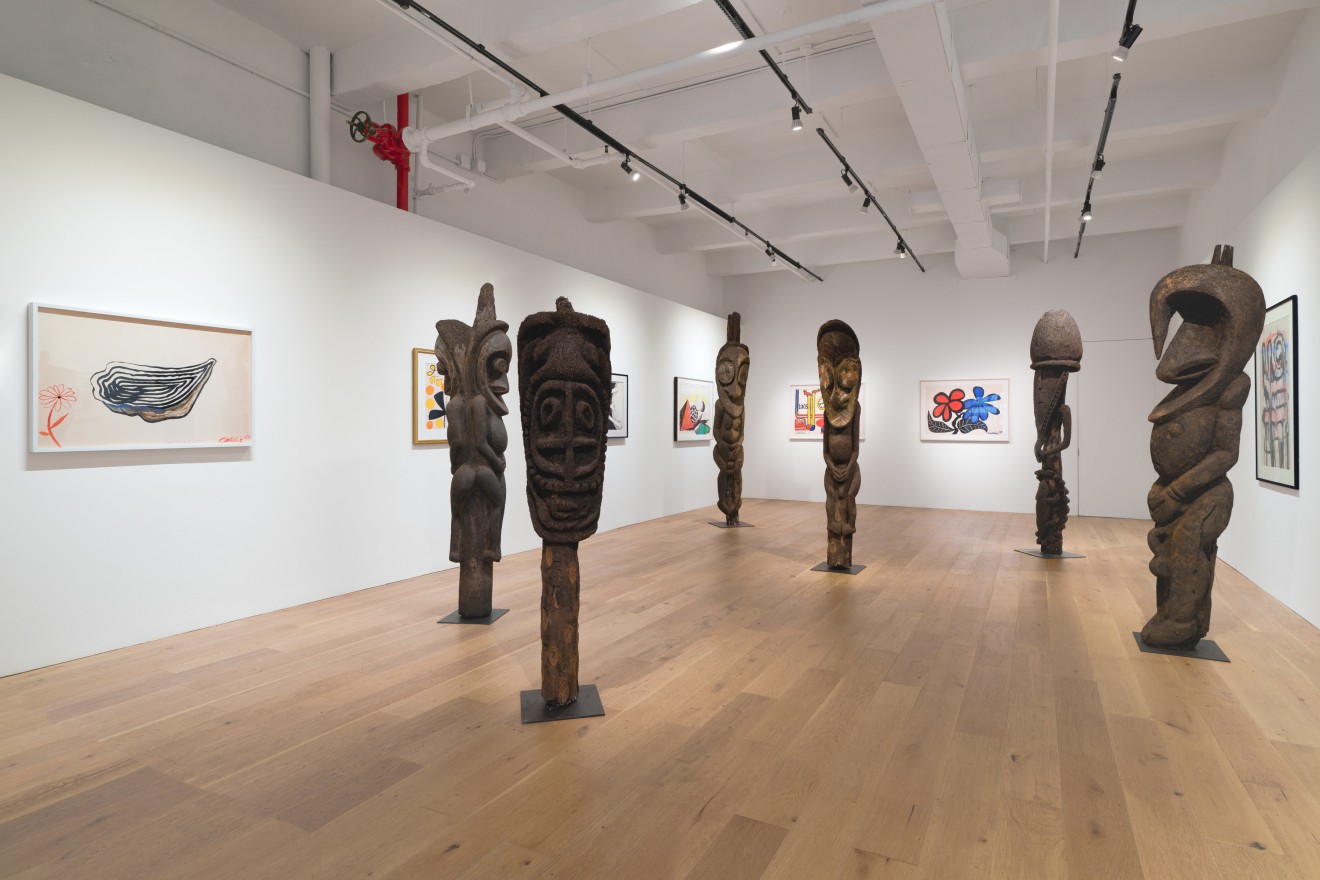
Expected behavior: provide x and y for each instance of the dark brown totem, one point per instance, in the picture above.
(564, 389)
(731, 365)
(1056, 351)
(838, 358)
(1194, 441)
(475, 363)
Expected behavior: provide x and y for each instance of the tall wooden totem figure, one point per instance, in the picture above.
(1056, 351)
(1194, 441)
(731, 365)
(475, 363)
(564, 388)
(839, 361)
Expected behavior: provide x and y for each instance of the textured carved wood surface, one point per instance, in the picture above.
(1194, 441)
(839, 362)
(957, 710)
(731, 366)
(1056, 351)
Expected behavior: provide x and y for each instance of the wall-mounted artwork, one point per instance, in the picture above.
(618, 417)
(807, 416)
(694, 407)
(1276, 396)
(428, 404)
(102, 382)
(964, 410)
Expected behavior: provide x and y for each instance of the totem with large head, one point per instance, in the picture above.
(1056, 351)
(475, 360)
(732, 363)
(839, 362)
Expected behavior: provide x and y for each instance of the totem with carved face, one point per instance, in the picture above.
(731, 366)
(1194, 441)
(839, 362)
(1056, 351)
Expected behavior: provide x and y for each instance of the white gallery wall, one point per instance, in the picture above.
(1266, 204)
(915, 326)
(101, 550)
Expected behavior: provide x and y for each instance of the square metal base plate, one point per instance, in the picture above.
(455, 617)
(825, 566)
(1036, 551)
(1204, 650)
(739, 525)
(587, 705)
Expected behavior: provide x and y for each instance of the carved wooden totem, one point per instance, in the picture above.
(838, 358)
(564, 389)
(731, 365)
(1194, 441)
(1056, 351)
(475, 363)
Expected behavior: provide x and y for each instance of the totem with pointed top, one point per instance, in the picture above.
(1056, 351)
(1194, 441)
(731, 365)
(564, 389)
(839, 362)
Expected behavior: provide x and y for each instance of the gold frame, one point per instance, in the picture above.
(416, 389)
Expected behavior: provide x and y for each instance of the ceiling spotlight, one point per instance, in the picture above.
(901, 250)
(1130, 34)
(682, 199)
(866, 205)
(629, 170)
(1098, 168)
(848, 181)
(1086, 213)
(770, 252)
(797, 118)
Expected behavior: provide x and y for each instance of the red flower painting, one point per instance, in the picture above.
(948, 405)
(57, 398)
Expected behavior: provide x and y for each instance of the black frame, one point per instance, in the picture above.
(673, 412)
(627, 417)
(1293, 391)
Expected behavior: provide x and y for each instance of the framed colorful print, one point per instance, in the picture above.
(694, 407)
(808, 412)
(102, 381)
(964, 410)
(1276, 396)
(428, 399)
(618, 427)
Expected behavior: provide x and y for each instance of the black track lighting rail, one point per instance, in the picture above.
(604, 137)
(849, 173)
(1098, 164)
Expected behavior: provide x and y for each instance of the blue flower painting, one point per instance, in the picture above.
(950, 412)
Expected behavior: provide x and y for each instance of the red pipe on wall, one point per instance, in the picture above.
(401, 170)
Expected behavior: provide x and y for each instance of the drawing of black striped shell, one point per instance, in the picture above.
(153, 393)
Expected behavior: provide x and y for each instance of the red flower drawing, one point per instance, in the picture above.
(56, 397)
(948, 405)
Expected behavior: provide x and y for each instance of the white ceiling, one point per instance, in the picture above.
(943, 111)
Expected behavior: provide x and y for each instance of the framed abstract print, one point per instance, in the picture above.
(693, 409)
(428, 406)
(618, 427)
(963, 410)
(1276, 396)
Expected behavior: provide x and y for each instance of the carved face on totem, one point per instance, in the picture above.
(839, 362)
(731, 366)
(1223, 312)
(564, 386)
(1056, 351)
(475, 360)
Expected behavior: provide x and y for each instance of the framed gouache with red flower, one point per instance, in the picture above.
(964, 410)
(103, 381)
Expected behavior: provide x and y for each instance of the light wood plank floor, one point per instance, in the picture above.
(958, 710)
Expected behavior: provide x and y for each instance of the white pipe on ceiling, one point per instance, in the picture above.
(416, 139)
(1051, 80)
(318, 112)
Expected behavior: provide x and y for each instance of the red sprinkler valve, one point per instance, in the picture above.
(388, 142)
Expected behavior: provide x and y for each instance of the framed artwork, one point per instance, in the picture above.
(618, 427)
(694, 407)
(102, 381)
(963, 410)
(808, 412)
(1276, 396)
(428, 405)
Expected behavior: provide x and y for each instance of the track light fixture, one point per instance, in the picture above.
(866, 205)
(629, 170)
(1098, 167)
(770, 252)
(682, 198)
(1130, 34)
(797, 118)
(848, 181)
(901, 250)
(1086, 213)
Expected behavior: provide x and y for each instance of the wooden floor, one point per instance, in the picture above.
(957, 710)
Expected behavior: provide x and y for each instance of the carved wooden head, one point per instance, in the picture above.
(733, 362)
(564, 390)
(475, 360)
(1223, 313)
(1056, 351)
(839, 361)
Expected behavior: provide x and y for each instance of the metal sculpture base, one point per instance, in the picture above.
(587, 705)
(1204, 650)
(825, 566)
(455, 617)
(1037, 552)
(737, 525)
